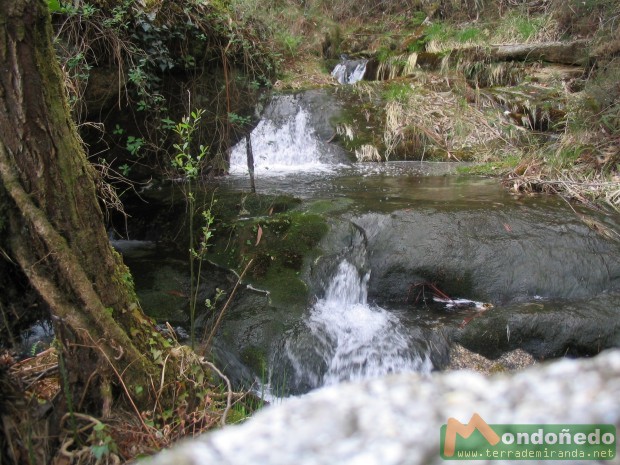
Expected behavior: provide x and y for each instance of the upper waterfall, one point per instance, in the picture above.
(287, 139)
(350, 71)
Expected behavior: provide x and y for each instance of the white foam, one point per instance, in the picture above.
(291, 146)
(357, 340)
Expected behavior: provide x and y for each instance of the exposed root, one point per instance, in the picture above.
(94, 448)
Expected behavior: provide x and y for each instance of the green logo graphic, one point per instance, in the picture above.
(478, 440)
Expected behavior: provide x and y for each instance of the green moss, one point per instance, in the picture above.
(122, 277)
(496, 168)
(231, 205)
(285, 286)
(255, 358)
(278, 245)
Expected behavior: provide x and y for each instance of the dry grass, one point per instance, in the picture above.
(307, 71)
(367, 152)
(442, 121)
(590, 190)
(29, 388)
(33, 387)
(397, 66)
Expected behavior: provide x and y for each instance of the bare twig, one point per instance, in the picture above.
(216, 326)
(229, 395)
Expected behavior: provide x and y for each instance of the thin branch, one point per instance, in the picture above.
(228, 386)
(221, 315)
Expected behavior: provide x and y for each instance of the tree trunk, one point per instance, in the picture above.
(53, 224)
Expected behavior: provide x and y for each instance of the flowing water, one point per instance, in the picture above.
(358, 340)
(350, 71)
(281, 148)
(286, 141)
(345, 338)
(394, 228)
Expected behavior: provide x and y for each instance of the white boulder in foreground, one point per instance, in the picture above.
(396, 420)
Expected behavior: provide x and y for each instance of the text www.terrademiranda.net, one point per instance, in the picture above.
(536, 454)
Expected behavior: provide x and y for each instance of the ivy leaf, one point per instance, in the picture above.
(54, 6)
(100, 451)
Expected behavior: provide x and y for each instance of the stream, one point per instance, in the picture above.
(405, 241)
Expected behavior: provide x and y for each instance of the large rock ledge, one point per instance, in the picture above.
(396, 420)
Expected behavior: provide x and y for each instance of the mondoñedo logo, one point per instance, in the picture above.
(478, 440)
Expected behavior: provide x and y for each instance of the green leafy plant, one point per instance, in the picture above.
(290, 42)
(134, 144)
(34, 349)
(125, 169)
(238, 121)
(103, 443)
(54, 6)
(184, 160)
(188, 163)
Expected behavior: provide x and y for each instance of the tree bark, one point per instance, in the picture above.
(54, 227)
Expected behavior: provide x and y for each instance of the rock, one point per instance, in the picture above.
(396, 420)
(321, 109)
(499, 253)
(545, 329)
(574, 53)
(463, 359)
(102, 91)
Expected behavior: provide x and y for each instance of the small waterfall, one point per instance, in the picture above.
(282, 144)
(350, 71)
(344, 338)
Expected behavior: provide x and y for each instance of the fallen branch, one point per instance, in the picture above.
(565, 53)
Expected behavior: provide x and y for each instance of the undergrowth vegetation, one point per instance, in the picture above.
(434, 91)
(129, 66)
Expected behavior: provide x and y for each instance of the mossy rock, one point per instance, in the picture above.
(229, 206)
(255, 358)
(278, 244)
